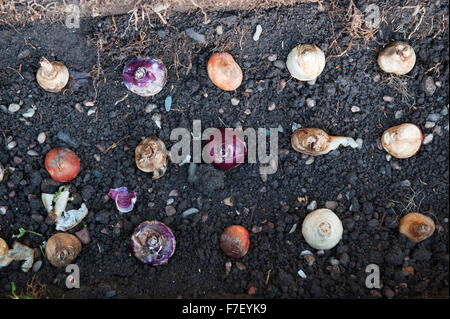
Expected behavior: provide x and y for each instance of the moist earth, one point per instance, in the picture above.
(103, 123)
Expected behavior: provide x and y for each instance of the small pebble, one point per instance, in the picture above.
(189, 212)
(272, 57)
(79, 108)
(219, 30)
(30, 112)
(88, 103)
(32, 153)
(195, 35)
(310, 102)
(90, 112)
(257, 33)
(37, 265)
(427, 139)
(312, 206)
(272, 106)
(310, 160)
(3, 210)
(247, 112)
(331, 204)
(301, 273)
(279, 64)
(168, 103)
(376, 78)
(234, 101)
(388, 98)
(13, 108)
(430, 124)
(11, 145)
(398, 115)
(229, 201)
(97, 157)
(173, 193)
(434, 117)
(355, 109)
(170, 201)
(170, 210)
(150, 107)
(41, 138)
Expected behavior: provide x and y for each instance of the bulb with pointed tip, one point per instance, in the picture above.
(52, 76)
(306, 62)
(224, 72)
(397, 58)
(416, 226)
(315, 141)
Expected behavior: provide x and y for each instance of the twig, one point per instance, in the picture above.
(115, 144)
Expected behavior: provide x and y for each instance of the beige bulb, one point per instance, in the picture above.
(52, 76)
(305, 62)
(322, 229)
(314, 141)
(402, 141)
(397, 58)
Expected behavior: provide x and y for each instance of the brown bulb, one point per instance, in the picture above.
(234, 241)
(402, 141)
(416, 226)
(62, 249)
(224, 72)
(151, 156)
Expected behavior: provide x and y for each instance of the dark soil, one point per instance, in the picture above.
(371, 193)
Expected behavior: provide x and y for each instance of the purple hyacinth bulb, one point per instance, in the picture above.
(124, 200)
(153, 243)
(144, 76)
(228, 152)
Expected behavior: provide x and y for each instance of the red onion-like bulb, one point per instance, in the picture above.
(144, 76)
(153, 243)
(227, 152)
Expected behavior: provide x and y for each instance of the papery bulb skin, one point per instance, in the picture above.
(144, 76)
(416, 226)
(153, 243)
(306, 62)
(235, 241)
(397, 58)
(315, 141)
(227, 153)
(62, 164)
(402, 141)
(151, 156)
(322, 229)
(52, 76)
(124, 200)
(62, 249)
(224, 72)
